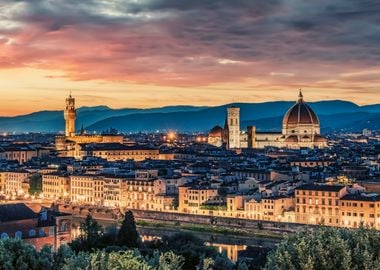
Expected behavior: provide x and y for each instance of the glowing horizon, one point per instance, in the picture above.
(144, 54)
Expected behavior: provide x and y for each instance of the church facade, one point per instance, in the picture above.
(300, 128)
(66, 144)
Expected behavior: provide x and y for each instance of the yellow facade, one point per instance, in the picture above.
(13, 182)
(191, 199)
(358, 211)
(319, 204)
(56, 186)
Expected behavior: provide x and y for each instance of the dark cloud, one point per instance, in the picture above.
(190, 42)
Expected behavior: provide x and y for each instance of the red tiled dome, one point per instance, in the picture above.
(300, 114)
(216, 131)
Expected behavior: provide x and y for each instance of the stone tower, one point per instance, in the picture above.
(233, 122)
(70, 115)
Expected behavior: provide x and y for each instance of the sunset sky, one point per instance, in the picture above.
(149, 53)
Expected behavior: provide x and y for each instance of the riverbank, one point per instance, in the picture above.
(177, 226)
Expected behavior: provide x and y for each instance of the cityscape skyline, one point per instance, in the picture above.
(149, 54)
(167, 134)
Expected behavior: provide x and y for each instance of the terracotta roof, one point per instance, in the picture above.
(300, 113)
(216, 131)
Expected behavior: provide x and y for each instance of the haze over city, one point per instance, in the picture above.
(154, 53)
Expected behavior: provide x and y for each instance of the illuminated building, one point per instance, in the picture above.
(115, 151)
(56, 186)
(300, 128)
(12, 182)
(21, 152)
(319, 204)
(70, 115)
(144, 192)
(360, 210)
(191, 199)
(65, 144)
(86, 189)
(233, 127)
(215, 136)
(273, 208)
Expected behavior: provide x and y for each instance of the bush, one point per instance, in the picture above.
(328, 248)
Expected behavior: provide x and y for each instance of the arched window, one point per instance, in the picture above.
(18, 235)
(32, 232)
(41, 232)
(4, 236)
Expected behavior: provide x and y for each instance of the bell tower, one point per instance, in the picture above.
(70, 116)
(233, 122)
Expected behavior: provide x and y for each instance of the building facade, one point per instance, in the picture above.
(56, 186)
(300, 128)
(66, 144)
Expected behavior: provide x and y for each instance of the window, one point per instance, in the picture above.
(4, 236)
(32, 233)
(18, 235)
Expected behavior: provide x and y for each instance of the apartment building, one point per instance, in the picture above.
(56, 186)
(360, 210)
(193, 198)
(319, 204)
(12, 182)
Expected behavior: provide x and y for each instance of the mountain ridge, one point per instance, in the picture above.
(182, 117)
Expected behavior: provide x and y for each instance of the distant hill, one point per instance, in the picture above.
(53, 121)
(267, 116)
(355, 121)
(334, 114)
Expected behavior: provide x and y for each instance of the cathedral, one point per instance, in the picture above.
(300, 128)
(67, 143)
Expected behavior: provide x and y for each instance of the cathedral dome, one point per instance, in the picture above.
(300, 114)
(216, 131)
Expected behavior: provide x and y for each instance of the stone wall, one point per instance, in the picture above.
(166, 217)
(103, 213)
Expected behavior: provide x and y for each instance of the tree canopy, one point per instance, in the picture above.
(328, 248)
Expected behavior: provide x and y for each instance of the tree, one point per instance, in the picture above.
(328, 248)
(35, 184)
(46, 257)
(175, 203)
(90, 228)
(80, 261)
(190, 247)
(15, 254)
(170, 261)
(128, 235)
(90, 235)
(63, 253)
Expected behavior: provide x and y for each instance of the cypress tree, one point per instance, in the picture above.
(128, 235)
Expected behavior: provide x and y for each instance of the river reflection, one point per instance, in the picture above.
(231, 251)
(231, 245)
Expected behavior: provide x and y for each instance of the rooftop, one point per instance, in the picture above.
(331, 188)
(17, 211)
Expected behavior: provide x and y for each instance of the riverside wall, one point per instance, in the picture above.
(109, 214)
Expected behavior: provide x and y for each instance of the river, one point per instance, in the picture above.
(232, 245)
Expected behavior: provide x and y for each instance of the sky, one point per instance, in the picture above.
(150, 53)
